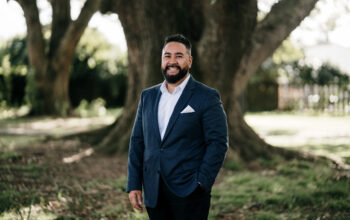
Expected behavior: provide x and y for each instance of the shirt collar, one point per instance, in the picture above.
(178, 88)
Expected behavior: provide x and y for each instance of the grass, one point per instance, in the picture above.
(292, 190)
(35, 183)
(12, 175)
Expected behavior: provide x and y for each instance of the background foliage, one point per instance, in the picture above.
(99, 71)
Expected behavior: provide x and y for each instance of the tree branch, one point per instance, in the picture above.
(283, 18)
(76, 30)
(35, 39)
(60, 22)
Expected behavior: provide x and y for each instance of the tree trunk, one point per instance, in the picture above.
(144, 33)
(228, 47)
(56, 87)
(48, 80)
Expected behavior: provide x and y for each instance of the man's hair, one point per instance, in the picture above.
(178, 38)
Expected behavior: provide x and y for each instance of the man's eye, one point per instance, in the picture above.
(178, 56)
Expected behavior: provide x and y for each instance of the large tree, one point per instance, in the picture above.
(50, 64)
(229, 44)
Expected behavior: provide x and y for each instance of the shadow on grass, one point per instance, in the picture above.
(278, 132)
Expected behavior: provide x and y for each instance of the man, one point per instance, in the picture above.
(178, 142)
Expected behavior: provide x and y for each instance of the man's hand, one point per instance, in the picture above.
(135, 197)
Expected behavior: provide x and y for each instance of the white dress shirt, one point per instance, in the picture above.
(167, 104)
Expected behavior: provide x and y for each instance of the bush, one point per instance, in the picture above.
(95, 108)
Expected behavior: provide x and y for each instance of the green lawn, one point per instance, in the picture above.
(35, 182)
(286, 190)
(323, 135)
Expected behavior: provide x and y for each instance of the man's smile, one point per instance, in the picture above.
(172, 69)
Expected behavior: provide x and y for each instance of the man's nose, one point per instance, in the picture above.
(172, 60)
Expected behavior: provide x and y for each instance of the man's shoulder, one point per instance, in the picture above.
(152, 90)
(203, 88)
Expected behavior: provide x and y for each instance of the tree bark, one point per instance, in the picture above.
(50, 70)
(228, 47)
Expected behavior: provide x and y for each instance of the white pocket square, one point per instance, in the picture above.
(188, 109)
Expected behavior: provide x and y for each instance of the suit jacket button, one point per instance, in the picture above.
(161, 149)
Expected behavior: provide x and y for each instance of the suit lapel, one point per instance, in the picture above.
(181, 103)
(155, 114)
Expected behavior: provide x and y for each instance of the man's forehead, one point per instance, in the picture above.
(174, 47)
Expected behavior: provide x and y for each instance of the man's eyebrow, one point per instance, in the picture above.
(177, 53)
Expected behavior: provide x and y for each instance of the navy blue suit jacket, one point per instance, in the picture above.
(192, 150)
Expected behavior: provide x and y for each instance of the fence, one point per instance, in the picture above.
(329, 98)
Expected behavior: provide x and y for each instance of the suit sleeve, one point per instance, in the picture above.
(214, 125)
(136, 148)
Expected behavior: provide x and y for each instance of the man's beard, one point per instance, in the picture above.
(175, 78)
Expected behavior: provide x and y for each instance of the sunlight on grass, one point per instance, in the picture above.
(322, 135)
(26, 131)
(32, 212)
(54, 126)
(78, 156)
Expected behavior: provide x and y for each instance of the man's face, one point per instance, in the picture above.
(176, 62)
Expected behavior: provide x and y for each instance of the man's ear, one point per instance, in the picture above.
(191, 59)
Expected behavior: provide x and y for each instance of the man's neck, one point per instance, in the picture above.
(171, 86)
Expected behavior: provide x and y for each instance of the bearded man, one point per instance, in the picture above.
(179, 141)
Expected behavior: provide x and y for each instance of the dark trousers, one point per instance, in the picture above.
(171, 207)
